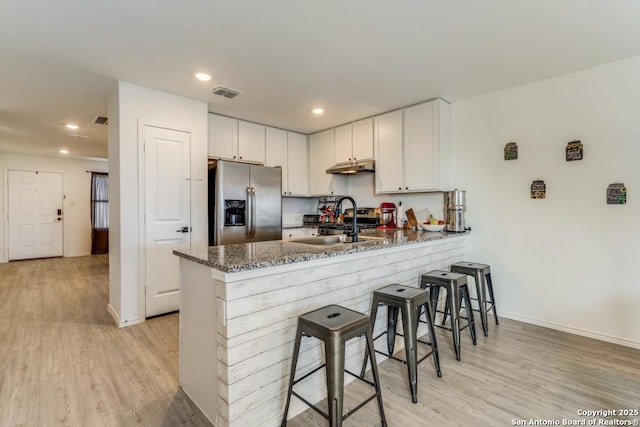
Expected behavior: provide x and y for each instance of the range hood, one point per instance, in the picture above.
(352, 168)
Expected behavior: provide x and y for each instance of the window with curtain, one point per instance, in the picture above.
(99, 213)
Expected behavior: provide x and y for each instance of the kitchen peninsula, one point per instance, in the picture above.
(239, 307)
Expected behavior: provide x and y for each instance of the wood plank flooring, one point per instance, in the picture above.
(63, 362)
(519, 372)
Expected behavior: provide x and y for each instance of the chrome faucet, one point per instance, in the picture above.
(354, 233)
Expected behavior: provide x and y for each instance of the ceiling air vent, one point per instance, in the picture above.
(100, 120)
(225, 91)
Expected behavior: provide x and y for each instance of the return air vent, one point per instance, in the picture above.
(225, 91)
(100, 120)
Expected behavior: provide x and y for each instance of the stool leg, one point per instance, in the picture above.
(467, 303)
(434, 293)
(493, 298)
(446, 312)
(372, 322)
(294, 362)
(376, 378)
(481, 290)
(410, 326)
(392, 322)
(335, 353)
(432, 338)
(454, 303)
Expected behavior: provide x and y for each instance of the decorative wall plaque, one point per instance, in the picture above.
(538, 189)
(574, 151)
(511, 151)
(616, 194)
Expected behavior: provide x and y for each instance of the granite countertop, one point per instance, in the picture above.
(251, 256)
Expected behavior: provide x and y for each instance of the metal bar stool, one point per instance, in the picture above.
(456, 288)
(482, 276)
(334, 325)
(409, 301)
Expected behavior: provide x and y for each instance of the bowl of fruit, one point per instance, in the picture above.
(433, 224)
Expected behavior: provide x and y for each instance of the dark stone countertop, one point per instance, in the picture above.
(251, 256)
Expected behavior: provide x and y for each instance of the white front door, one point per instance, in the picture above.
(167, 215)
(35, 215)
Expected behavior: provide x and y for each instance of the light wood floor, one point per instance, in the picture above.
(63, 362)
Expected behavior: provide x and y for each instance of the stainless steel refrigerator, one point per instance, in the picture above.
(247, 203)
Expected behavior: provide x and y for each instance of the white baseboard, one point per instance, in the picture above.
(602, 337)
(121, 323)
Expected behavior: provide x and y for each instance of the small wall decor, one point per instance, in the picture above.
(511, 151)
(574, 151)
(616, 194)
(538, 189)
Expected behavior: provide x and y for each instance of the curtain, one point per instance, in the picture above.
(99, 213)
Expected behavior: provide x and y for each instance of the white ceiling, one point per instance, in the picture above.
(59, 60)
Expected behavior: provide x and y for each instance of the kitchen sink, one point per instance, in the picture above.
(333, 239)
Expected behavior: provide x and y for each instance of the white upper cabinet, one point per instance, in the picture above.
(342, 144)
(388, 149)
(412, 148)
(297, 164)
(223, 137)
(362, 139)
(321, 155)
(251, 137)
(233, 139)
(354, 142)
(289, 151)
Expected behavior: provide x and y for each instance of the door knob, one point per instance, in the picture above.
(183, 230)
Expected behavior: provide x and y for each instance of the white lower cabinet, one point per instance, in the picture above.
(298, 233)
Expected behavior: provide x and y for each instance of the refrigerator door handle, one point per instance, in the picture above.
(249, 213)
(253, 212)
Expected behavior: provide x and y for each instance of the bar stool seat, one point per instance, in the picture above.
(409, 301)
(334, 325)
(482, 277)
(456, 287)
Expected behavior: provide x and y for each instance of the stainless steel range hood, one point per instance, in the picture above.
(353, 168)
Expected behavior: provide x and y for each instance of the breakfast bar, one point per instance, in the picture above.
(239, 306)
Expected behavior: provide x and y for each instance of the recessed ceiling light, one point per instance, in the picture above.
(71, 126)
(64, 151)
(318, 110)
(203, 77)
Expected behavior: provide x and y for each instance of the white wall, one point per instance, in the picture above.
(362, 188)
(293, 208)
(567, 261)
(76, 186)
(130, 108)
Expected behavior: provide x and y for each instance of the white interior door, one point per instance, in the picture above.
(35, 214)
(167, 215)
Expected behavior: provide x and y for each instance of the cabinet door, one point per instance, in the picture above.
(276, 153)
(251, 142)
(388, 152)
(294, 233)
(223, 137)
(297, 164)
(342, 144)
(420, 163)
(321, 159)
(362, 140)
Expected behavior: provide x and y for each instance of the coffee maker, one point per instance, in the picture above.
(385, 220)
